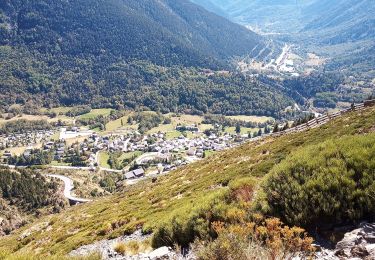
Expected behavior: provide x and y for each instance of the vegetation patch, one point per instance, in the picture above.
(327, 184)
(184, 204)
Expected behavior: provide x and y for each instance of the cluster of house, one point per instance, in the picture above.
(195, 146)
(170, 154)
(24, 139)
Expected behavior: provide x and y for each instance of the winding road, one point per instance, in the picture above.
(68, 187)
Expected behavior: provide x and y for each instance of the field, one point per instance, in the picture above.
(56, 163)
(244, 130)
(96, 112)
(26, 117)
(130, 155)
(17, 150)
(103, 160)
(189, 189)
(255, 119)
(117, 124)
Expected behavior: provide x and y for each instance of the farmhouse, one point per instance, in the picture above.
(138, 173)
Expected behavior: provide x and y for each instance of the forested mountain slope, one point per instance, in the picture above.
(344, 30)
(107, 53)
(274, 16)
(164, 32)
(230, 187)
(25, 194)
(342, 21)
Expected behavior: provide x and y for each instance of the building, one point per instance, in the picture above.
(138, 173)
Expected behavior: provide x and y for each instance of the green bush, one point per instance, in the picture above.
(189, 223)
(325, 184)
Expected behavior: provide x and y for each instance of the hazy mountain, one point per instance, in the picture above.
(210, 6)
(343, 30)
(342, 21)
(267, 15)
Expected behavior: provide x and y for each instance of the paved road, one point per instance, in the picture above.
(68, 187)
(102, 168)
(147, 157)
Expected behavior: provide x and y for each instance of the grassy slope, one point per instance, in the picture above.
(103, 160)
(96, 112)
(149, 203)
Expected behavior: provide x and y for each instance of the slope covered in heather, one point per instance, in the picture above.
(182, 205)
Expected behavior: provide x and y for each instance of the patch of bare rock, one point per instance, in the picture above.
(107, 250)
(357, 244)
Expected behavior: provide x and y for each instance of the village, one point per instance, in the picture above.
(133, 154)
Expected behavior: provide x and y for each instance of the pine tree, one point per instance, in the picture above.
(238, 129)
(276, 128)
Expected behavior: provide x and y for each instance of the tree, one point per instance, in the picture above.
(275, 128)
(238, 128)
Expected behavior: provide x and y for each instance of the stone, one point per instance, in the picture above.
(357, 244)
(160, 253)
(341, 253)
(359, 251)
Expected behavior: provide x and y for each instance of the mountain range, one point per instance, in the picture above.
(342, 30)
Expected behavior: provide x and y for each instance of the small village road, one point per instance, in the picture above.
(68, 187)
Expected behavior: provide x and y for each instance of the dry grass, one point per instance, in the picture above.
(256, 119)
(120, 248)
(132, 247)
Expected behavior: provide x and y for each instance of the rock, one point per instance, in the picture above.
(357, 244)
(106, 247)
(359, 251)
(371, 249)
(370, 239)
(161, 253)
(341, 253)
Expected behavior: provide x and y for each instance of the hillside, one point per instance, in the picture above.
(344, 31)
(266, 16)
(92, 52)
(25, 195)
(183, 204)
(173, 32)
(341, 22)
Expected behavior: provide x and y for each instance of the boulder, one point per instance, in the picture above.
(357, 244)
(161, 253)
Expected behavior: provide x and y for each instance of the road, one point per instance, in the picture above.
(68, 187)
(102, 168)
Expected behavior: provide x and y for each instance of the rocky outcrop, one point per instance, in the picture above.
(357, 244)
(10, 218)
(106, 248)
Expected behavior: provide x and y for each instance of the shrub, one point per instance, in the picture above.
(268, 239)
(330, 183)
(120, 248)
(133, 247)
(188, 223)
